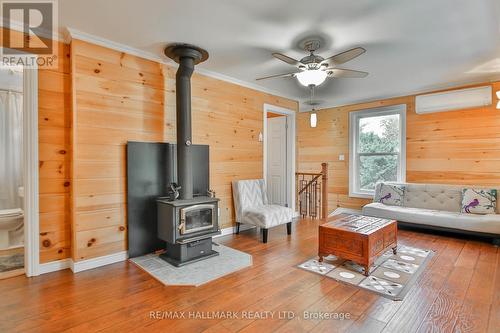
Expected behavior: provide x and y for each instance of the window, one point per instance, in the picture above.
(376, 148)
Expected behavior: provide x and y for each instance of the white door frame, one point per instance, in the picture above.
(30, 172)
(290, 114)
(30, 148)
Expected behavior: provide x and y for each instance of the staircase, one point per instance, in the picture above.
(312, 193)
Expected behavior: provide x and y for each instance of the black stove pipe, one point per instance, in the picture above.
(187, 56)
(184, 140)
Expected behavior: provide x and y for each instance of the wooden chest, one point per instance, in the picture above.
(358, 238)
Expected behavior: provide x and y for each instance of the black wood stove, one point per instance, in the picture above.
(187, 223)
(187, 226)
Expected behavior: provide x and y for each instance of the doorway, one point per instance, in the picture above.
(279, 155)
(18, 171)
(11, 171)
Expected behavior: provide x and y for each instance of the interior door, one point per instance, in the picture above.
(277, 160)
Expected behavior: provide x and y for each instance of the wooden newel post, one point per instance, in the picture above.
(324, 189)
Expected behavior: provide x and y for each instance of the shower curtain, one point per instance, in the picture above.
(11, 149)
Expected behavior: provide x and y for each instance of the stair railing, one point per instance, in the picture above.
(312, 193)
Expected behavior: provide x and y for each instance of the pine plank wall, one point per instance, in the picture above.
(458, 147)
(98, 99)
(54, 106)
(119, 97)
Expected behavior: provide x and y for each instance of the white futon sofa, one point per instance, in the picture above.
(436, 207)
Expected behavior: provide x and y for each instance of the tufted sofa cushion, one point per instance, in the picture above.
(431, 196)
(434, 196)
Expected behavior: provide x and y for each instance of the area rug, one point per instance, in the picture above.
(392, 275)
(11, 262)
(228, 261)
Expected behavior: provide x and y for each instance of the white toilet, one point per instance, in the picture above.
(11, 221)
(12, 225)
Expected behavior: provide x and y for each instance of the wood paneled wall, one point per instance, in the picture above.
(116, 98)
(119, 97)
(54, 106)
(458, 147)
(229, 118)
(54, 125)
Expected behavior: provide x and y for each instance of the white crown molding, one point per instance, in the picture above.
(242, 83)
(19, 26)
(83, 36)
(426, 90)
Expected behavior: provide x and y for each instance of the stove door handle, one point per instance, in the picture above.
(181, 225)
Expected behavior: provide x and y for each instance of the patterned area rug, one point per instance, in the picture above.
(11, 262)
(391, 275)
(228, 261)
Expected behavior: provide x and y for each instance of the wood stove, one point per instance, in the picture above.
(188, 224)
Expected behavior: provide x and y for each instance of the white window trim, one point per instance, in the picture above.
(353, 136)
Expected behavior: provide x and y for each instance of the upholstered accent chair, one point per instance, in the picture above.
(252, 207)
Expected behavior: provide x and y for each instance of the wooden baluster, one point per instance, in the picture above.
(324, 180)
(312, 194)
(319, 201)
(314, 201)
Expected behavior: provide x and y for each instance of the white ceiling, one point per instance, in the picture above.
(411, 45)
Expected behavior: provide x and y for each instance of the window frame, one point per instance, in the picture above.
(354, 156)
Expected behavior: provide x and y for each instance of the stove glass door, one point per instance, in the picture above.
(197, 218)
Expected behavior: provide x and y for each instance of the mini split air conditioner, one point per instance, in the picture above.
(454, 100)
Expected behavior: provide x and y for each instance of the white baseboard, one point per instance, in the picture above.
(83, 265)
(79, 266)
(232, 230)
(54, 266)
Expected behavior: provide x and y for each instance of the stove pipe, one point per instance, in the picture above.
(187, 56)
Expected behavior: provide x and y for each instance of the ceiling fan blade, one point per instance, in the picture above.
(277, 75)
(345, 73)
(287, 59)
(344, 56)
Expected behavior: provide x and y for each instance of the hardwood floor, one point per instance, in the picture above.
(459, 291)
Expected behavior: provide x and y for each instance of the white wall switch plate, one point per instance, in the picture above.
(341, 157)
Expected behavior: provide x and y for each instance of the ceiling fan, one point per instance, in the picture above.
(313, 69)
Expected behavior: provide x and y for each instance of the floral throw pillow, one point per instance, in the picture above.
(392, 195)
(479, 201)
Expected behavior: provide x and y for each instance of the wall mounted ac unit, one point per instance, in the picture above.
(454, 100)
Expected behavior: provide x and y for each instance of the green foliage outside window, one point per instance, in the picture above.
(385, 140)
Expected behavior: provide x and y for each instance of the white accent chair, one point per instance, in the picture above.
(252, 207)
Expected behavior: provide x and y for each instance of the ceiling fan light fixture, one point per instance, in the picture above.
(313, 77)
